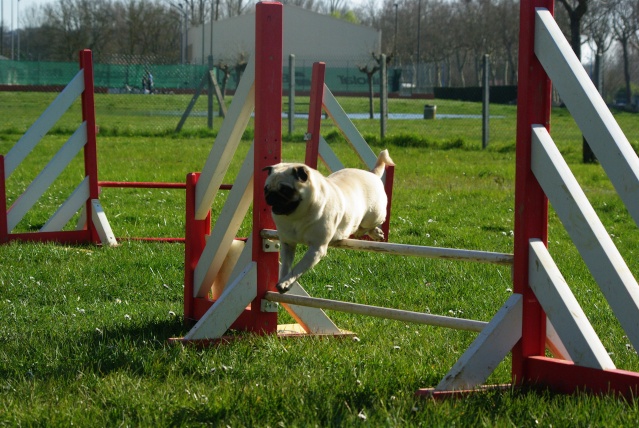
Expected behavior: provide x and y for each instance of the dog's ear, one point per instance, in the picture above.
(300, 173)
(268, 168)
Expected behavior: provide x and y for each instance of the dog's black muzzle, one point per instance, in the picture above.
(283, 200)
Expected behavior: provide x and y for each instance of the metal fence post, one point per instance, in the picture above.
(485, 112)
(291, 94)
(383, 95)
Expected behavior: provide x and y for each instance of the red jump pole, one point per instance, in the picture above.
(531, 204)
(315, 114)
(4, 232)
(90, 148)
(268, 148)
(388, 187)
(194, 243)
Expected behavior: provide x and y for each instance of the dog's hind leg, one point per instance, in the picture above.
(376, 234)
(310, 259)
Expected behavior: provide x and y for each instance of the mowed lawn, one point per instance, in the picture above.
(84, 329)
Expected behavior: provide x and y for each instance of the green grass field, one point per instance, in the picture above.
(83, 331)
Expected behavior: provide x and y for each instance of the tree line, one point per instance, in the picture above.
(450, 35)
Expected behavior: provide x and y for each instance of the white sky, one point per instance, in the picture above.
(25, 5)
(18, 5)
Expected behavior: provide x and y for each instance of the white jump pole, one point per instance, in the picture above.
(379, 312)
(414, 250)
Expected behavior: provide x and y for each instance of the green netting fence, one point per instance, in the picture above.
(118, 78)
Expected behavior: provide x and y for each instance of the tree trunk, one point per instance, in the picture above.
(575, 35)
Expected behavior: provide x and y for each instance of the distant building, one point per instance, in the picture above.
(308, 35)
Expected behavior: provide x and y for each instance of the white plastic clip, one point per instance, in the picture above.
(270, 245)
(268, 306)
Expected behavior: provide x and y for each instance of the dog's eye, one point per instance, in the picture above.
(300, 174)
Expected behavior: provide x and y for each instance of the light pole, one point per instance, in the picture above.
(12, 32)
(183, 31)
(214, 17)
(1, 27)
(185, 35)
(18, 24)
(395, 36)
(419, 52)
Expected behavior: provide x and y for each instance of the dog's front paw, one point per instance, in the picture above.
(282, 287)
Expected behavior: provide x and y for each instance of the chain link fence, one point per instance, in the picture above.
(134, 93)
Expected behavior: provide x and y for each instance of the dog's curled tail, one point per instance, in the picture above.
(382, 160)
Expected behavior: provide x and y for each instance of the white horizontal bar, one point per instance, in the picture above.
(376, 311)
(415, 250)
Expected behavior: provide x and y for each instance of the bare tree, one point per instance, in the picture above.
(506, 14)
(331, 6)
(306, 4)
(598, 27)
(576, 9)
(237, 7)
(370, 69)
(624, 29)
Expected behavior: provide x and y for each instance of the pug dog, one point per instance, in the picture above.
(314, 210)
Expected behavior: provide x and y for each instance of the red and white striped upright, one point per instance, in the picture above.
(543, 176)
(93, 227)
(90, 148)
(268, 148)
(531, 204)
(239, 303)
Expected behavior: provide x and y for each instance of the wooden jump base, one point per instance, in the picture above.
(377, 311)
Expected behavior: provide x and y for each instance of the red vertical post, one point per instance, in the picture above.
(315, 114)
(531, 204)
(194, 243)
(388, 187)
(268, 148)
(90, 148)
(4, 231)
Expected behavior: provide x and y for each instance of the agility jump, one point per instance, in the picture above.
(542, 311)
(93, 226)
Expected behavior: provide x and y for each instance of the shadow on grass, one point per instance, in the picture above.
(138, 349)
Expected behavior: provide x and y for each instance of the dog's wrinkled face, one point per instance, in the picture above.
(283, 185)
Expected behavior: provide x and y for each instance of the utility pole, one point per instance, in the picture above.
(18, 29)
(419, 34)
(395, 36)
(1, 27)
(12, 32)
